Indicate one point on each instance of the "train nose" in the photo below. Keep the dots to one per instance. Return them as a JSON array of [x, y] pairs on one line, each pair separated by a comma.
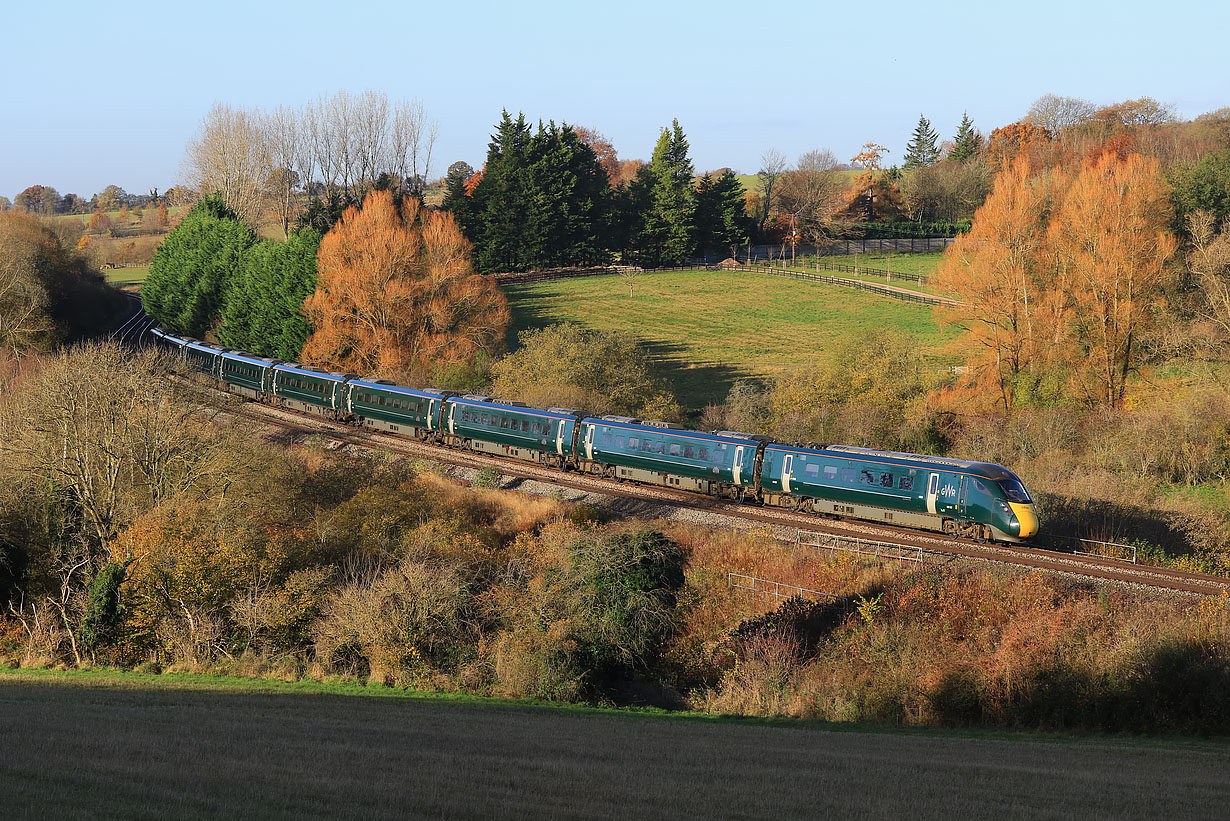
[[1027, 515]]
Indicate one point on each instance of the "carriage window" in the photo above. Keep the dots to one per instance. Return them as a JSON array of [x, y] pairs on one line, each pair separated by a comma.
[[619, 442], [634, 443], [536, 428], [382, 401], [674, 449], [905, 483], [702, 454], [812, 471], [647, 445], [866, 477], [689, 452], [606, 439], [484, 419], [886, 480], [719, 455], [525, 426], [504, 422], [830, 471]]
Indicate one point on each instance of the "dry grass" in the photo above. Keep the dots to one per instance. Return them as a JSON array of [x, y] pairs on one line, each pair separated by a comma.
[[133, 748]]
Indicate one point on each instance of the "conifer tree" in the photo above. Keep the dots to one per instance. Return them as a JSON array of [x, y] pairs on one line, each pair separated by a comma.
[[193, 267], [721, 218], [667, 236], [968, 141], [921, 150]]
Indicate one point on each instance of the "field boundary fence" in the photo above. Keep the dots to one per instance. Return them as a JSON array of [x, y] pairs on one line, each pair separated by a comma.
[[767, 269], [867, 548], [771, 588]]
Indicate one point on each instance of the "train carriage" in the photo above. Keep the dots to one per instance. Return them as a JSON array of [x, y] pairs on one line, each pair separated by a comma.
[[951, 495], [247, 374], [658, 453], [306, 388], [385, 405], [204, 357], [513, 429]]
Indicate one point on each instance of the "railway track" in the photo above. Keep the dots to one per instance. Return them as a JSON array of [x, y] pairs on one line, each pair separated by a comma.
[[933, 547]]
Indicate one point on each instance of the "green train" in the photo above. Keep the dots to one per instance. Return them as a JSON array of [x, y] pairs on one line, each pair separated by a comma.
[[977, 500]]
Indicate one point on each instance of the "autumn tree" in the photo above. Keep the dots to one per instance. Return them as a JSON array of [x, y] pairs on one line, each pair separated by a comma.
[[396, 295], [1110, 238], [37, 199], [1055, 114], [111, 198], [1060, 278], [1008, 141], [603, 149], [865, 186]]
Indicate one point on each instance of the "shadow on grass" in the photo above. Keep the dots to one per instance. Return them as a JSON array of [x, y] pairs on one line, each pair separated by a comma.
[[1066, 518]]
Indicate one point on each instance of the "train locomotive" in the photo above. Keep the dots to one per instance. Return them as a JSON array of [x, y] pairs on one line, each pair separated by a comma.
[[953, 496]]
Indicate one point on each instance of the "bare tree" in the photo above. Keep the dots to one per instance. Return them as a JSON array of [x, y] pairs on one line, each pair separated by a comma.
[[23, 297], [229, 157], [772, 166], [413, 139], [371, 137], [813, 193], [1056, 113], [283, 134]]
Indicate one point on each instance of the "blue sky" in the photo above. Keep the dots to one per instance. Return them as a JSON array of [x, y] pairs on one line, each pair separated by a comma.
[[100, 93]]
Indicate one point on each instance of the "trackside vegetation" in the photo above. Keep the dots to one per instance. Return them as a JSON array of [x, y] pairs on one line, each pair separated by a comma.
[[217, 553]]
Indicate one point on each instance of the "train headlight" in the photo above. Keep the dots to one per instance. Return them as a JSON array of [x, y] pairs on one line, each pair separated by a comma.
[[1003, 507]]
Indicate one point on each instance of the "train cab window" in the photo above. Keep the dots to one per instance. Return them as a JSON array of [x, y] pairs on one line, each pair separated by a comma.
[[866, 477], [675, 450], [620, 442], [830, 472], [689, 452], [812, 471], [702, 454], [905, 483]]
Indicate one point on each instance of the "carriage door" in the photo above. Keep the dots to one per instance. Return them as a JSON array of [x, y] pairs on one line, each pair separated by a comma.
[[787, 471], [738, 468], [933, 490], [559, 439], [589, 442], [431, 412], [452, 422]]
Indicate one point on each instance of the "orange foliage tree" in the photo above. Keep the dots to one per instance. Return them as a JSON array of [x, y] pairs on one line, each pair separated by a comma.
[[396, 294], [1059, 277]]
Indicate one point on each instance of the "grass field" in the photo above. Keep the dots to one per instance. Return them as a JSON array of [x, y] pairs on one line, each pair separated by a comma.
[[710, 328], [127, 746], [126, 276]]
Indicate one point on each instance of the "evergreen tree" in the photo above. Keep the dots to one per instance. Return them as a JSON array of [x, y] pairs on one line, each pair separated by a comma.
[[193, 267], [456, 199], [501, 199], [921, 150], [721, 218], [968, 141], [264, 307], [667, 236]]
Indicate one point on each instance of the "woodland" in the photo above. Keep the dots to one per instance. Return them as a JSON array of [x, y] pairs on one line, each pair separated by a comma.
[[1094, 336]]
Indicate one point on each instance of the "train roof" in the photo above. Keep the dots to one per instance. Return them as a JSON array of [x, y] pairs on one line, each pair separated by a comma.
[[393, 387], [317, 373], [476, 401], [987, 470], [251, 358], [684, 433]]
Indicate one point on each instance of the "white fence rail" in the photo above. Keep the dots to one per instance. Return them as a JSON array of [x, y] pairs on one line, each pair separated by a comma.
[[859, 547], [779, 590]]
